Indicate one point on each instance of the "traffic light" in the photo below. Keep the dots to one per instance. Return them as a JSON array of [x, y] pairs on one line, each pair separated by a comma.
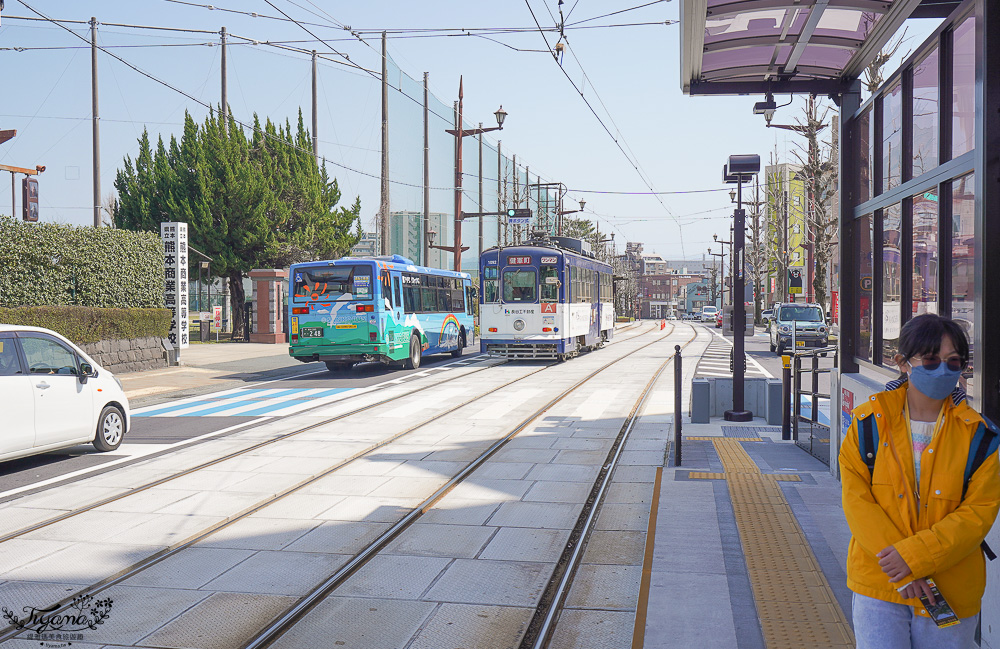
[[519, 213]]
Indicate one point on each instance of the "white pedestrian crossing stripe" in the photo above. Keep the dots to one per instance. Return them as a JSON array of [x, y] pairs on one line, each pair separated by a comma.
[[248, 402]]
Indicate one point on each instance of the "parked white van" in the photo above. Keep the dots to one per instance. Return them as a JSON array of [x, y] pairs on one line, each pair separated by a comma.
[[709, 313], [52, 395]]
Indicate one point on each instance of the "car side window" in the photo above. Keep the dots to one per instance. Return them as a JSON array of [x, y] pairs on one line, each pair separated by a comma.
[[10, 364], [46, 356]]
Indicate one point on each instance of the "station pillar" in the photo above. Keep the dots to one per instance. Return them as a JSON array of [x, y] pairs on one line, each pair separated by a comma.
[[268, 306]]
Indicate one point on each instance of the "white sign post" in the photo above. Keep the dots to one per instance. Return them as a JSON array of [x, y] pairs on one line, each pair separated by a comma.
[[175, 280]]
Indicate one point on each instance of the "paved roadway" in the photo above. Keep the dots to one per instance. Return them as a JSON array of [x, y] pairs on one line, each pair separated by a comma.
[[268, 387]]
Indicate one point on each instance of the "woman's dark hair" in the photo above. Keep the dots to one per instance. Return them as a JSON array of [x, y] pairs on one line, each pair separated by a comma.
[[921, 336]]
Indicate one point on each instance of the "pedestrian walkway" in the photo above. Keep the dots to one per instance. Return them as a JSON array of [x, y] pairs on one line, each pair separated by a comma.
[[750, 546], [717, 361]]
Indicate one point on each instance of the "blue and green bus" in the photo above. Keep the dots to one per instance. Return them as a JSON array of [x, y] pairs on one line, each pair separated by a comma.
[[377, 309]]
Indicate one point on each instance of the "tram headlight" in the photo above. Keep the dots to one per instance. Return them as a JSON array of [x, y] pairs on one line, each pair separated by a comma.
[[519, 325]]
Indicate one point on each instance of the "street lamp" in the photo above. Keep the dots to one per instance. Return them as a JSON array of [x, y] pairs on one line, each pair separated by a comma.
[[562, 213], [461, 134], [740, 169]]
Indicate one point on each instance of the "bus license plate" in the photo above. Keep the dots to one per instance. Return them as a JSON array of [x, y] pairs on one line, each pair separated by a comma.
[[312, 332], [798, 343]]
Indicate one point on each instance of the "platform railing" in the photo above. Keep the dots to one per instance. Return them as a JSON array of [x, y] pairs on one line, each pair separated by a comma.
[[797, 392]]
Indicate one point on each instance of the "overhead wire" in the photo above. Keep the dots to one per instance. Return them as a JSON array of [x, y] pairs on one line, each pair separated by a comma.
[[613, 13]]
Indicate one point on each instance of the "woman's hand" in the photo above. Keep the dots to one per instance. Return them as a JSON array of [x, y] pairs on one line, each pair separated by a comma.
[[916, 588], [893, 565]]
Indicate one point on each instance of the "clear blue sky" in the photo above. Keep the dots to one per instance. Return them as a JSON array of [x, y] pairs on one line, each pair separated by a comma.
[[629, 74]]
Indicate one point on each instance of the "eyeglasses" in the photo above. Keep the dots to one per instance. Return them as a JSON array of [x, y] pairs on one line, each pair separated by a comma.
[[931, 363]]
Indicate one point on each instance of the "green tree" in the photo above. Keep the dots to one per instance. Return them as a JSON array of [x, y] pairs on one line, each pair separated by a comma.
[[249, 202]]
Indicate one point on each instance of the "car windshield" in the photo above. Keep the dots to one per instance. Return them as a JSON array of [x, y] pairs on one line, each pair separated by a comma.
[[334, 283], [801, 314]]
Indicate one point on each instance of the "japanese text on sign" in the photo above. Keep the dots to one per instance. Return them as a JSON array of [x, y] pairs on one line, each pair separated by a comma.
[[518, 261], [175, 285]]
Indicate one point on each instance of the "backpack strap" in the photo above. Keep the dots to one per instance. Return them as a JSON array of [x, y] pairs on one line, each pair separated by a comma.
[[868, 441], [984, 443]]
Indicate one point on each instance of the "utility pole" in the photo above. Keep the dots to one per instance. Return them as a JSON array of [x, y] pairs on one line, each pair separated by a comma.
[[515, 200], [481, 187], [383, 209], [315, 114], [784, 254], [224, 109], [427, 181], [96, 123], [458, 180]]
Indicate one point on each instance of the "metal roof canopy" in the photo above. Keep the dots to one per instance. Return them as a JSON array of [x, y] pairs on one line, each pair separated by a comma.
[[739, 47]]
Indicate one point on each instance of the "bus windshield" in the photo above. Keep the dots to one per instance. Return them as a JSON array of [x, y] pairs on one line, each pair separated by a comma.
[[333, 283]]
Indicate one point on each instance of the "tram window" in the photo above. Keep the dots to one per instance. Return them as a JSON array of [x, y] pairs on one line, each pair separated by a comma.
[[550, 284], [490, 275], [519, 285]]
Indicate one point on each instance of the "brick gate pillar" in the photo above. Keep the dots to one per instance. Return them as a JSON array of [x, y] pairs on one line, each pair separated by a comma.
[[268, 321]]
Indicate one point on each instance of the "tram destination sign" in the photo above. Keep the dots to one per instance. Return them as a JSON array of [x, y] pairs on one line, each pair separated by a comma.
[[518, 261]]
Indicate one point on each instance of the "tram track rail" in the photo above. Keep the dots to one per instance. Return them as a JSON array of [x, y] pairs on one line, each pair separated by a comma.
[[10, 632], [286, 621]]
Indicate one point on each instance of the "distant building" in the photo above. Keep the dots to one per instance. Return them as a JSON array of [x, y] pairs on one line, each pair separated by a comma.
[[662, 295], [406, 237], [697, 296], [367, 247]]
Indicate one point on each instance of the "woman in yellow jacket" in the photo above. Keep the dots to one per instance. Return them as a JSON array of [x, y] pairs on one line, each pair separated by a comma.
[[909, 517]]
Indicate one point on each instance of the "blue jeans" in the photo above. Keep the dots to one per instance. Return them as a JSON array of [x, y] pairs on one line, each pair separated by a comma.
[[885, 625]]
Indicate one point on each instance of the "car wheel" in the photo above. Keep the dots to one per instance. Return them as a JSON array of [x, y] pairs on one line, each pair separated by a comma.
[[461, 345], [780, 349], [413, 361], [110, 429], [771, 345]]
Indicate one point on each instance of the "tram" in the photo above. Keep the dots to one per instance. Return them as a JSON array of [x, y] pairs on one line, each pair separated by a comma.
[[377, 309], [547, 298]]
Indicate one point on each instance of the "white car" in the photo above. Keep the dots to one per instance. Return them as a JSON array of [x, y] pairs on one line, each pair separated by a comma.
[[709, 313], [52, 395]]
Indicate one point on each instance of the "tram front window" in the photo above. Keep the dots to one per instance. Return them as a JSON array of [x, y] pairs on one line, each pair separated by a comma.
[[490, 278], [550, 284], [519, 285]]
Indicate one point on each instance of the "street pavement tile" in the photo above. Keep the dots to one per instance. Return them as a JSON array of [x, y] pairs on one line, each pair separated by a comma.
[[292, 450], [67, 499], [439, 540], [368, 509], [345, 485], [578, 444], [685, 606], [83, 563], [504, 470], [533, 455], [426, 469], [134, 611], [350, 623], [478, 581], [301, 506], [90, 526], [401, 451], [20, 551], [303, 466], [129, 477], [16, 595], [580, 456], [635, 474], [367, 467], [629, 492], [205, 480], [267, 484], [13, 519], [467, 454], [495, 490], [565, 472], [533, 441], [167, 529], [618, 547], [278, 573], [558, 492], [559, 516], [474, 627], [258, 532], [190, 568], [338, 537], [460, 511], [641, 458], [410, 487], [242, 464], [582, 629], [623, 516], [150, 500], [607, 587], [241, 615], [395, 577], [525, 544]]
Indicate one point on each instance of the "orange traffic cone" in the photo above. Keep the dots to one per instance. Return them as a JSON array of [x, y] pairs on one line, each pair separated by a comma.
[[663, 324]]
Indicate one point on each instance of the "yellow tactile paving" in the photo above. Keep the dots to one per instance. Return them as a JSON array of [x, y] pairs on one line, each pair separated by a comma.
[[795, 603], [709, 439], [701, 475]]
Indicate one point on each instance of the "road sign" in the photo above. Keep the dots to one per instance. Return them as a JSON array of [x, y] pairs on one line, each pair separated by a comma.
[[29, 199], [519, 216], [217, 318]]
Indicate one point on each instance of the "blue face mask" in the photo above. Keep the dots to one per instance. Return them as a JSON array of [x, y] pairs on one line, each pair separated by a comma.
[[937, 383]]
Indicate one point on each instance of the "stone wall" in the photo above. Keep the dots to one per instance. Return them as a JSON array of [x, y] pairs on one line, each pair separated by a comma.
[[133, 355]]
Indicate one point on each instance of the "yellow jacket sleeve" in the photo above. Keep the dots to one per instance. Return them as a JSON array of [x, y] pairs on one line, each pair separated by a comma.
[[959, 533], [870, 525]]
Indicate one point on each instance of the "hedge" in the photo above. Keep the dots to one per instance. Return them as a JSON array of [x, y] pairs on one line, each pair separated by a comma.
[[90, 325], [53, 264]]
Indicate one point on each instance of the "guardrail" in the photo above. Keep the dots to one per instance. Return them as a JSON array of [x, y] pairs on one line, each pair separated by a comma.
[[795, 394]]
